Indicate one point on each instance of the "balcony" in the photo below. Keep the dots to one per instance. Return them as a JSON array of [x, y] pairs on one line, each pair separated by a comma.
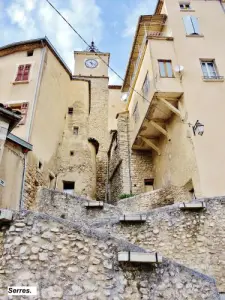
[[162, 107]]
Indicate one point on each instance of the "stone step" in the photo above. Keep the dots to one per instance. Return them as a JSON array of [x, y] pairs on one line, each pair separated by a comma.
[[5, 215], [94, 204], [139, 257], [133, 218], [193, 205]]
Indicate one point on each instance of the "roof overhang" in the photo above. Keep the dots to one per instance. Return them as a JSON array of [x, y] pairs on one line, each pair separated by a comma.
[[145, 23], [15, 139], [9, 116]]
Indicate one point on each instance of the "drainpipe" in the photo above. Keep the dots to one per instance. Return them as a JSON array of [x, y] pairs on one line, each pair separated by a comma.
[[21, 206], [43, 54]]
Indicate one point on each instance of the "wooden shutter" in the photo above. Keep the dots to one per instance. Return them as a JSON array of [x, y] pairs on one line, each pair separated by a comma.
[[195, 25], [20, 71], [26, 72], [188, 25]]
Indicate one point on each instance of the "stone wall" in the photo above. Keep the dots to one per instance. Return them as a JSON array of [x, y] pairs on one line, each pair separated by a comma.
[[72, 261], [161, 197], [195, 239], [141, 169], [72, 208], [135, 166], [98, 129]]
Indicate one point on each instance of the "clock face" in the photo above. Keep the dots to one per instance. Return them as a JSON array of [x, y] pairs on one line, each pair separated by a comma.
[[91, 63]]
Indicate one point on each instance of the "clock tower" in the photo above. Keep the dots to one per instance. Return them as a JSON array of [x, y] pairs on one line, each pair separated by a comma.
[[92, 65], [91, 62]]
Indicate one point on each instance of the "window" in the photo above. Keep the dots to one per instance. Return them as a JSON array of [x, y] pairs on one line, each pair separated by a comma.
[[146, 86], [209, 69], [185, 6], [149, 185], [136, 113], [40, 165], [70, 110], [23, 72], [51, 181], [165, 68], [71, 153], [191, 25], [68, 187], [23, 108], [30, 53], [75, 130]]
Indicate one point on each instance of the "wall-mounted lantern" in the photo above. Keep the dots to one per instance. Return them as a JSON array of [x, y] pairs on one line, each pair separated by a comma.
[[198, 128]]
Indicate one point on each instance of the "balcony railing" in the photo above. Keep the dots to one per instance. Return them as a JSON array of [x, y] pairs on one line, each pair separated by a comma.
[[157, 34], [214, 77]]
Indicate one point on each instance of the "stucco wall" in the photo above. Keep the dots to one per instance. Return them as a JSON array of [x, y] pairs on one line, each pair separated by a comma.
[[11, 171], [116, 105], [19, 92], [198, 94], [66, 261], [177, 164], [57, 93]]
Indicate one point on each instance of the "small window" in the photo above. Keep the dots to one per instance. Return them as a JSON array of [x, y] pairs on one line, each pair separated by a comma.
[[23, 72], [51, 181], [71, 153], [70, 110], [136, 113], [165, 68], [191, 25], [149, 185], [75, 130], [209, 69], [146, 86], [30, 53], [185, 5], [68, 187], [21, 107], [40, 165]]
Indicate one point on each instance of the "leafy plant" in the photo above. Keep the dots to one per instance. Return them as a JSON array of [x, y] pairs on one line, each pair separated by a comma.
[[123, 196]]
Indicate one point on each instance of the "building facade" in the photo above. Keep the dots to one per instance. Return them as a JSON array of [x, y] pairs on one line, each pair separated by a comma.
[[88, 142], [175, 77]]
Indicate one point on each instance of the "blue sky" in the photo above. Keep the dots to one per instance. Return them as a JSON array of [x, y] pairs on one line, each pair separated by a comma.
[[111, 23]]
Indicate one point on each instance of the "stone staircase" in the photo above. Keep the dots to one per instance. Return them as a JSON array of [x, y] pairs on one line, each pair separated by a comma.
[[125, 254]]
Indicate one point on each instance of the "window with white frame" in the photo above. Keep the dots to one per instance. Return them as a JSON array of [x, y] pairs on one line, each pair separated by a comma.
[[136, 113], [165, 68], [209, 69], [191, 25], [146, 86], [185, 5]]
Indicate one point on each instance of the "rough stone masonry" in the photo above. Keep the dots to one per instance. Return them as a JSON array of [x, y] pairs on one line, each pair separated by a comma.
[[68, 260]]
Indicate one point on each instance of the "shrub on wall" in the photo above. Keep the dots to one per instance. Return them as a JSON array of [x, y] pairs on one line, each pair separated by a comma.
[[123, 196]]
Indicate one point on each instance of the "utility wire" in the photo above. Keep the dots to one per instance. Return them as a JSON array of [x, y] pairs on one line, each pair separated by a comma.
[[80, 36]]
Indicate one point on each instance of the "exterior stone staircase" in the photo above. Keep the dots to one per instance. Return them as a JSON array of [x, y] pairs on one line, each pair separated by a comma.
[[74, 251]]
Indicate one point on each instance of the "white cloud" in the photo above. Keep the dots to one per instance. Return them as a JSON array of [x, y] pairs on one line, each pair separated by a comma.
[[114, 79], [141, 7], [32, 19]]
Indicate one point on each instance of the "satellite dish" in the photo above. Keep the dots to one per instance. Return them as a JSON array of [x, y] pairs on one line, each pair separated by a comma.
[[179, 69], [124, 97]]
